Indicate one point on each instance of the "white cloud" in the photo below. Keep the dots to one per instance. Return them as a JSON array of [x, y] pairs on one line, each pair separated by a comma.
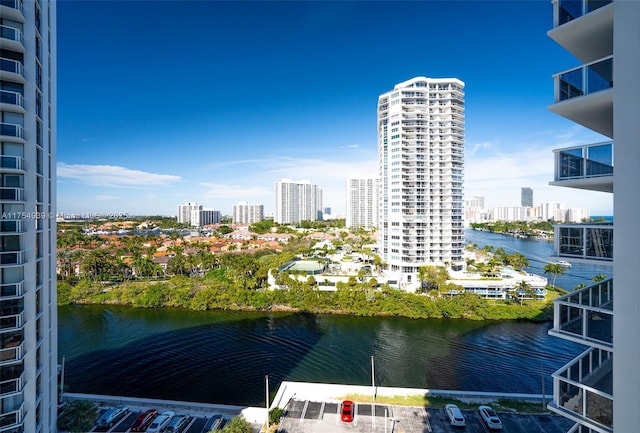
[[113, 176], [106, 197]]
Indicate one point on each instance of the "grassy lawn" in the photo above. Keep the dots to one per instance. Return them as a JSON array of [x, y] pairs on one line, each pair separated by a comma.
[[502, 405]]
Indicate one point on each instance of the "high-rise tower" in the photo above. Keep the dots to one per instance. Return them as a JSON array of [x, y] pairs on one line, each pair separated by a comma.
[[296, 201], [421, 165], [600, 388], [362, 202], [28, 317], [526, 197]]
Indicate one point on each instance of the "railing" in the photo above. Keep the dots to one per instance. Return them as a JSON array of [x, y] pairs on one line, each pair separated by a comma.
[[569, 10], [11, 354], [11, 34], [583, 389], [12, 194], [12, 386], [12, 258], [11, 418], [12, 66], [14, 162], [11, 130], [592, 160], [11, 323], [586, 315], [11, 290], [13, 98], [584, 80], [14, 4], [584, 241]]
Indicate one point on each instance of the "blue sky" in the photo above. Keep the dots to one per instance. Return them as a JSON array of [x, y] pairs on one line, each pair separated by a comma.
[[164, 102]]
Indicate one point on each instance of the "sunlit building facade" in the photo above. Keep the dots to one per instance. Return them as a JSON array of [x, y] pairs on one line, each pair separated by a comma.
[[600, 389], [28, 307], [296, 201], [362, 202], [421, 169]]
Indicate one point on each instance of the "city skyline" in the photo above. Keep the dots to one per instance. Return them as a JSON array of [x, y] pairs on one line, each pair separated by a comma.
[[214, 114]]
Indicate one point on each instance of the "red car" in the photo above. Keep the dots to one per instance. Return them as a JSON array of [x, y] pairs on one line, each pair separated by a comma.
[[346, 412], [144, 419]]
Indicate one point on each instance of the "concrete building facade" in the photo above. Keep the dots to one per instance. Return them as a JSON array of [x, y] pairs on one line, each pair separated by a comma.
[[28, 307], [600, 389], [296, 201], [245, 213], [362, 202], [421, 168]]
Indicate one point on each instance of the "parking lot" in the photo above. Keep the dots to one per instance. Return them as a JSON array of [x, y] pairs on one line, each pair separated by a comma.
[[304, 416], [196, 424]]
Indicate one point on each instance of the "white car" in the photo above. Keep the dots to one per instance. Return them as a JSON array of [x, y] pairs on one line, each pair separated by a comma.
[[161, 422], [490, 417], [455, 416]]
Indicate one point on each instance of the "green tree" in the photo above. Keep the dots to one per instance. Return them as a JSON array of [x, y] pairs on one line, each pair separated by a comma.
[[523, 290], [237, 425], [554, 269], [598, 278], [432, 278], [78, 416]]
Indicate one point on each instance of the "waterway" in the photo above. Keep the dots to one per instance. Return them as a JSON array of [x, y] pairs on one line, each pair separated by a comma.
[[223, 357]]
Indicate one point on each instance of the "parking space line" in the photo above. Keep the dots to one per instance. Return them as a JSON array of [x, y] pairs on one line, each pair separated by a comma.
[[426, 420], [321, 411], [304, 409]]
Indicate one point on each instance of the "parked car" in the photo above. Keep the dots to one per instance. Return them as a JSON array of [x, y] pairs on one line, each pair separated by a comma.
[[215, 423], [490, 417], [455, 415], [177, 424], [161, 422], [111, 416], [346, 411], [144, 419]]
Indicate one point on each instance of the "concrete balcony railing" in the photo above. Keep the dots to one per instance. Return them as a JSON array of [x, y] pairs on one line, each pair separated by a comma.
[[11, 66], [11, 37], [11, 130], [583, 390], [589, 242], [11, 99], [586, 167], [586, 315]]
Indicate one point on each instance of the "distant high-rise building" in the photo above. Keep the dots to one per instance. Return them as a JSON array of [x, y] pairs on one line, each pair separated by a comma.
[[526, 197], [297, 201], [421, 162], [244, 213], [362, 202], [327, 211], [28, 306], [195, 215]]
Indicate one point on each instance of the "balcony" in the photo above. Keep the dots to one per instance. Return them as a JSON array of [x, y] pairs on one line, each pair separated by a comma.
[[11, 163], [11, 194], [12, 352], [587, 167], [11, 323], [586, 316], [11, 101], [11, 258], [588, 242], [11, 70], [11, 39], [11, 132], [583, 27], [12, 386], [582, 390], [12, 9], [11, 418], [11, 290], [584, 95]]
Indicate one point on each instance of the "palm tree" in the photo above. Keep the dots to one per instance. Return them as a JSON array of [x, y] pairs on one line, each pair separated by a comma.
[[555, 269], [598, 278]]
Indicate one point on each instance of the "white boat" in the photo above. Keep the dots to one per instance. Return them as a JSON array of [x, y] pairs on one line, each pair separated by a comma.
[[564, 264]]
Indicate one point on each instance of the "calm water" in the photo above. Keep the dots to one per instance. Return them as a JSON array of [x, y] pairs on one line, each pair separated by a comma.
[[222, 357], [539, 254]]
